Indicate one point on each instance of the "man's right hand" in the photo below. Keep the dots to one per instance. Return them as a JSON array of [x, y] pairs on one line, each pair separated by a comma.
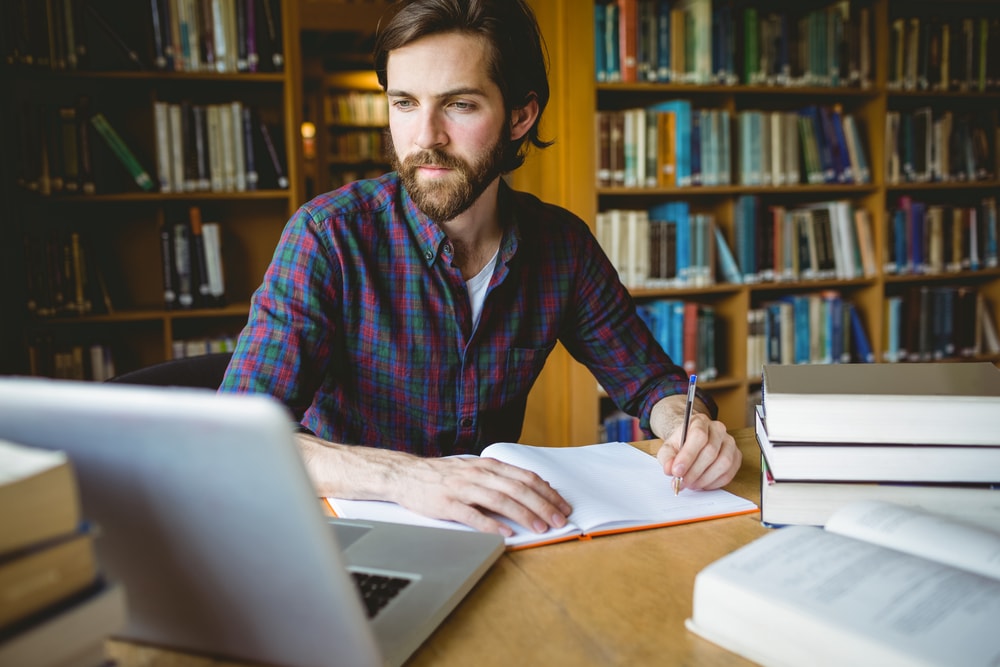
[[463, 489]]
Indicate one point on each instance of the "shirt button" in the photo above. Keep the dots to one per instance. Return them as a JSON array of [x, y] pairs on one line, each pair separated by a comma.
[[429, 255], [466, 422], [447, 248]]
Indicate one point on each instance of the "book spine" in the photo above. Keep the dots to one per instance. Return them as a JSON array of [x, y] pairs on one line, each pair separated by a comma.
[[164, 167], [118, 40], [276, 163], [84, 147], [199, 262], [176, 147], [70, 143], [272, 16], [201, 156], [169, 268], [182, 265], [207, 35], [219, 36], [156, 8], [121, 150], [213, 255], [236, 142], [249, 150], [253, 57], [600, 69]]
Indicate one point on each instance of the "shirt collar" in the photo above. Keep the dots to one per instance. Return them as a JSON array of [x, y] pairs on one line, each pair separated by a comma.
[[430, 238]]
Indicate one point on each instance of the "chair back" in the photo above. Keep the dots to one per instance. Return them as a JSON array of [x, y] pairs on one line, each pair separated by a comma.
[[206, 371]]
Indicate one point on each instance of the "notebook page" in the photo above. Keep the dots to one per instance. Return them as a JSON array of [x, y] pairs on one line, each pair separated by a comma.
[[614, 485]]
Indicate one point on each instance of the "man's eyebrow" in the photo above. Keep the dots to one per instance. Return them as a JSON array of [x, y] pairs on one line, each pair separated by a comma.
[[455, 92]]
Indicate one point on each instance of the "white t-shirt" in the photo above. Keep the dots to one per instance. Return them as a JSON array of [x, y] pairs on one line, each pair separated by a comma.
[[477, 288]]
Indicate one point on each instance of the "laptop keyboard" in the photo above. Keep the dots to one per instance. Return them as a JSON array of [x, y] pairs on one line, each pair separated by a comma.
[[378, 590]]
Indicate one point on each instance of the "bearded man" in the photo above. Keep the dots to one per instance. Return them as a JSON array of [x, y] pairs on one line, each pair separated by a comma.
[[404, 319]]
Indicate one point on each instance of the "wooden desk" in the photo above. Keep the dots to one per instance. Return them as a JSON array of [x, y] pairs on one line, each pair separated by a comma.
[[614, 600]]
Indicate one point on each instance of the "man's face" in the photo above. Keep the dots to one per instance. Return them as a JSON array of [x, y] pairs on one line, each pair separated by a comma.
[[447, 122]]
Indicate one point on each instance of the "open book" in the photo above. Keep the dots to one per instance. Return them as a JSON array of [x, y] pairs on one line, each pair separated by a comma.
[[613, 487], [882, 584]]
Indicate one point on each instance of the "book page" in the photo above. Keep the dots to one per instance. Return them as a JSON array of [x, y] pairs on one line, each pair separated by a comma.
[[911, 530], [779, 595], [614, 485]]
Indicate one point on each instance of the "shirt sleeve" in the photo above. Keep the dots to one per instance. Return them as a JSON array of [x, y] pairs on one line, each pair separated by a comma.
[[606, 334], [285, 346]]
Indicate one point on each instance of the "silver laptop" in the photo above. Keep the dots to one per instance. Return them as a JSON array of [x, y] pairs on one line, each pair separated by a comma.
[[206, 513]]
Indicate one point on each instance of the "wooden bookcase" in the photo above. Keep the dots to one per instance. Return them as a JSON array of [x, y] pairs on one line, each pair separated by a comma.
[[565, 406], [568, 397], [119, 223], [336, 40]]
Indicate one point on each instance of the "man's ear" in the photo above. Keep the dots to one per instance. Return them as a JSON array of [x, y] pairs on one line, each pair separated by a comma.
[[523, 118]]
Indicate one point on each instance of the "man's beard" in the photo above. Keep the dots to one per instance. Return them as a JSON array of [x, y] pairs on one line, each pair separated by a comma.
[[445, 198]]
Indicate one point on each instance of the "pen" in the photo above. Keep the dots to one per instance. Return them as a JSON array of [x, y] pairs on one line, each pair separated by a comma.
[[687, 420]]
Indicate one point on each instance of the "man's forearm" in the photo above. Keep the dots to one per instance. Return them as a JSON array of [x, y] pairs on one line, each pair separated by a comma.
[[461, 489], [348, 471]]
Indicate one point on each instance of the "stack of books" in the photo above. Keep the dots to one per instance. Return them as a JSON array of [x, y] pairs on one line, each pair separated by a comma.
[[923, 434], [55, 608]]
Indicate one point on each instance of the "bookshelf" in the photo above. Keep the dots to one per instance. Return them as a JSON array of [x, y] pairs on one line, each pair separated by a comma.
[[577, 156], [565, 406], [68, 320], [341, 98]]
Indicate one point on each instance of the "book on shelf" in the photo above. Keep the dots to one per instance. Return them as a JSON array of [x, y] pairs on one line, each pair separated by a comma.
[[215, 36], [63, 275], [271, 40], [987, 339], [613, 488], [944, 53], [811, 503], [697, 42], [199, 261], [921, 237], [664, 246], [73, 633], [668, 144], [191, 255], [183, 264], [212, 239], [276, 160], [863, 352], [164, 147], [917, 403], [209, 141], [925, 323], [122, 151], [817, 328], [126, 49], [167, 272], [880, 584], [930, 145], [728, 267], [792, 460]]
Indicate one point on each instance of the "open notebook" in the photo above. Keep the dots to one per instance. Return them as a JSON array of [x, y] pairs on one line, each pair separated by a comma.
[[206, 514], [613, 488]]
